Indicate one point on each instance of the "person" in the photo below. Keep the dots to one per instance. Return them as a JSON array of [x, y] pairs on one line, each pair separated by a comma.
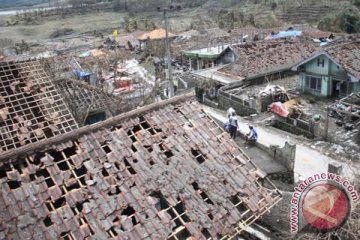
[[230, 112], [233, 125], [252, 136]]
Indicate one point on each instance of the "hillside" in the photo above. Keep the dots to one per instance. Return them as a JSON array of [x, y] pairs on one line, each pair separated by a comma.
[[20, 3], [132, 15]]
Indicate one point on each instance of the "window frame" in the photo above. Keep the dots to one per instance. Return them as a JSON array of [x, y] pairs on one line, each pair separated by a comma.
[[313, 83], [321, 62]]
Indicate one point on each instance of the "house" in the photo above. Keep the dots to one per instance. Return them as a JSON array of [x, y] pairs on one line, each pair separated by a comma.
[[164, 171], [332, 72], [214, 50], [257, 63], [87, 103], [209, 57], [265, 58], [252, 61]]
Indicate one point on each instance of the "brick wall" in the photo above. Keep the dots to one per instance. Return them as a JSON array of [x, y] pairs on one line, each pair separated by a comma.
[[241, 107], [284, 155], [294, 126]]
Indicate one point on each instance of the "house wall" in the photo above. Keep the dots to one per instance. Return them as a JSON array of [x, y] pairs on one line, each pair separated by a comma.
[[313, 68], [329, 73], [356, 87], [336, 70], [325, 85]]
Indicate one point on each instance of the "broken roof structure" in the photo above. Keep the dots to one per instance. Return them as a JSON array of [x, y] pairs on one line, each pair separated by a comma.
[[31, 108], [87, 99], [165, 171]]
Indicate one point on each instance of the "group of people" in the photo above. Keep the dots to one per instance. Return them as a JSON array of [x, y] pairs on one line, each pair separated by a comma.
[[231, 126]]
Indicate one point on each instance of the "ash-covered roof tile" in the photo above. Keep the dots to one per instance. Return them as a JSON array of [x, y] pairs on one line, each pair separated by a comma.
[[347, 55], [155, 178], [31, 109], [265, 57]]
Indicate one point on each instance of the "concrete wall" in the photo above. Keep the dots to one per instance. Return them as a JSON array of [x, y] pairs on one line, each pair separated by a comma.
[[294, 126], [211, 103], [284, 155], [242, 108], [252, 105]]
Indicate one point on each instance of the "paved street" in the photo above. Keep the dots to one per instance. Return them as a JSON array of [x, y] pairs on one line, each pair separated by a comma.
[[308, 161]]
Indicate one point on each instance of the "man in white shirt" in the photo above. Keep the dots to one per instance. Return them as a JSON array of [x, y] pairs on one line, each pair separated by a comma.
[[230, 112], [233, 125]]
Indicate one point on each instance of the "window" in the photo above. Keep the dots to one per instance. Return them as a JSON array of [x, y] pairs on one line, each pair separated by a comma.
[[320, 62], [313, 83]]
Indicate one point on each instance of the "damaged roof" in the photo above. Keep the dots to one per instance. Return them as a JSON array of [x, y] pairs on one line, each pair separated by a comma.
[[260, 58], [31, 108], [87, 99], [165, 171]]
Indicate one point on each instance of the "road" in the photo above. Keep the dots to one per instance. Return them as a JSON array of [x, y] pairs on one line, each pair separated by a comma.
[[308, 161]]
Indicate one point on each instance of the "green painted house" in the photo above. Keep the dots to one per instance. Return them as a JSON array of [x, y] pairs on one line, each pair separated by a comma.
[[209, 57], [332, 72]]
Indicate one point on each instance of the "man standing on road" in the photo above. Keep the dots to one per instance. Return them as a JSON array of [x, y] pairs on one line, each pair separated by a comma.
[[233, 125]]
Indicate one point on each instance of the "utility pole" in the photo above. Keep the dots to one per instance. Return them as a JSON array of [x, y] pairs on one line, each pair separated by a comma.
[[168, 56]]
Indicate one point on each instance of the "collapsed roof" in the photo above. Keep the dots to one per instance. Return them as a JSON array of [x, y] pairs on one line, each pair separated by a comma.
[[87, 99], [163, 171]]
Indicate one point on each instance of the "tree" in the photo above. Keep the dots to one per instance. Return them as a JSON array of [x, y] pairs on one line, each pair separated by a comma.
[[350, 21], [328, 24], [356, 2]]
